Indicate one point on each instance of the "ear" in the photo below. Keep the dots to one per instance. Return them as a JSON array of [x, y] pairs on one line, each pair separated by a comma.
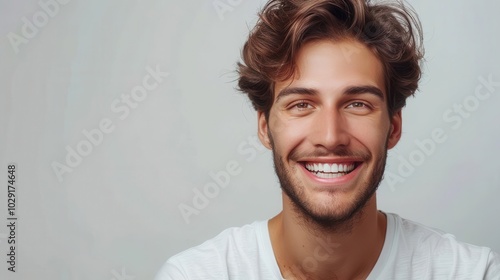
[[395, 132], [263, 130]]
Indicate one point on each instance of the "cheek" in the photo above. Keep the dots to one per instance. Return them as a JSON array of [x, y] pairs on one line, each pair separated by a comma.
[[287, 133], [371, 133]]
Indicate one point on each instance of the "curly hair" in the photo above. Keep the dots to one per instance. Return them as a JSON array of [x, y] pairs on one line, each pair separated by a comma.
[[392, 31]]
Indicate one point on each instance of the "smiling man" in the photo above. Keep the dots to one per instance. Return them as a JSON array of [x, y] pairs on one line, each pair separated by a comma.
[[329, 79]]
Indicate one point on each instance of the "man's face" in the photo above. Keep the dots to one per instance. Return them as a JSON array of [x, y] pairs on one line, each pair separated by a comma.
[[329, 130]]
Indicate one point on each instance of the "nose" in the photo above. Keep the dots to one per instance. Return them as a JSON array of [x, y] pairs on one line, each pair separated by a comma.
[[330, 130]]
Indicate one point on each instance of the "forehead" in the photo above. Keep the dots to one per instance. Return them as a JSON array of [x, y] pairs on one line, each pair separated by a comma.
[[329, 66]]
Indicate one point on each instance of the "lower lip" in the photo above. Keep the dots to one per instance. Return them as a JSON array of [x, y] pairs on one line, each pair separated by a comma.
[[333, 181]]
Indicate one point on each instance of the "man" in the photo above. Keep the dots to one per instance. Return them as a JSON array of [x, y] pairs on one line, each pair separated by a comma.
[[328, 79]]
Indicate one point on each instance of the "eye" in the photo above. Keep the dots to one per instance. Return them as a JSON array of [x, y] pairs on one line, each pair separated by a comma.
[[357, 104], [302, 106], [359, 107]]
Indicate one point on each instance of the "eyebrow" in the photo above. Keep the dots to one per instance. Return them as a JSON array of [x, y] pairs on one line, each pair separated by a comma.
[[353, 90]]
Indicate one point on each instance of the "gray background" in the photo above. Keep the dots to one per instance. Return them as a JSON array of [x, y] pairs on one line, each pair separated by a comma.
[[116, 214]]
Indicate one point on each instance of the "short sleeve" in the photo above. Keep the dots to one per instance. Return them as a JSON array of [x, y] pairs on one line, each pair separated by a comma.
[[493, 269]]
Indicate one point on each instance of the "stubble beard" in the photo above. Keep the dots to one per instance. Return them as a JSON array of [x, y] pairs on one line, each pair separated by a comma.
[[308, 212]]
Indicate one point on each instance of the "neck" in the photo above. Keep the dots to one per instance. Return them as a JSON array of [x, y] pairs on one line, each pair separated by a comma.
[[347, 250]]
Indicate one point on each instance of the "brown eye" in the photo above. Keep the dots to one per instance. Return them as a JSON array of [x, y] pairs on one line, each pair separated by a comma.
[[357, 105], [359, 108], [302, 105]]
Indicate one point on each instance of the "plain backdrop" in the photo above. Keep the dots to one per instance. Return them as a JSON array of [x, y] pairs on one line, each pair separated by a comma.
[[75, 68]]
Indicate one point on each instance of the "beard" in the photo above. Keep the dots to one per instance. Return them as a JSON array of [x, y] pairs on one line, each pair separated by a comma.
[[334, 216]]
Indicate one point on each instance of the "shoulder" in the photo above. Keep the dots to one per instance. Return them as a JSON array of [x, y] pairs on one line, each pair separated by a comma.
[[425, 249], [213, 258], [424, 239]]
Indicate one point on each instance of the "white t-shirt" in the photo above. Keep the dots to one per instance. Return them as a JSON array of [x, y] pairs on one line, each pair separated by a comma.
[[411, 251]]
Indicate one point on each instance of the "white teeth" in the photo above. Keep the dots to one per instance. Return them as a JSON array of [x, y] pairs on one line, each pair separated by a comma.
[[329, 175], [326, 167], [333, 168]]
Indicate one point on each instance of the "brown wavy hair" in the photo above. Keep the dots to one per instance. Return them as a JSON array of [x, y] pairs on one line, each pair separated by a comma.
[[391, 30]]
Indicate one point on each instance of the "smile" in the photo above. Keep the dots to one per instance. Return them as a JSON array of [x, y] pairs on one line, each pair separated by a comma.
[[330, 170]]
